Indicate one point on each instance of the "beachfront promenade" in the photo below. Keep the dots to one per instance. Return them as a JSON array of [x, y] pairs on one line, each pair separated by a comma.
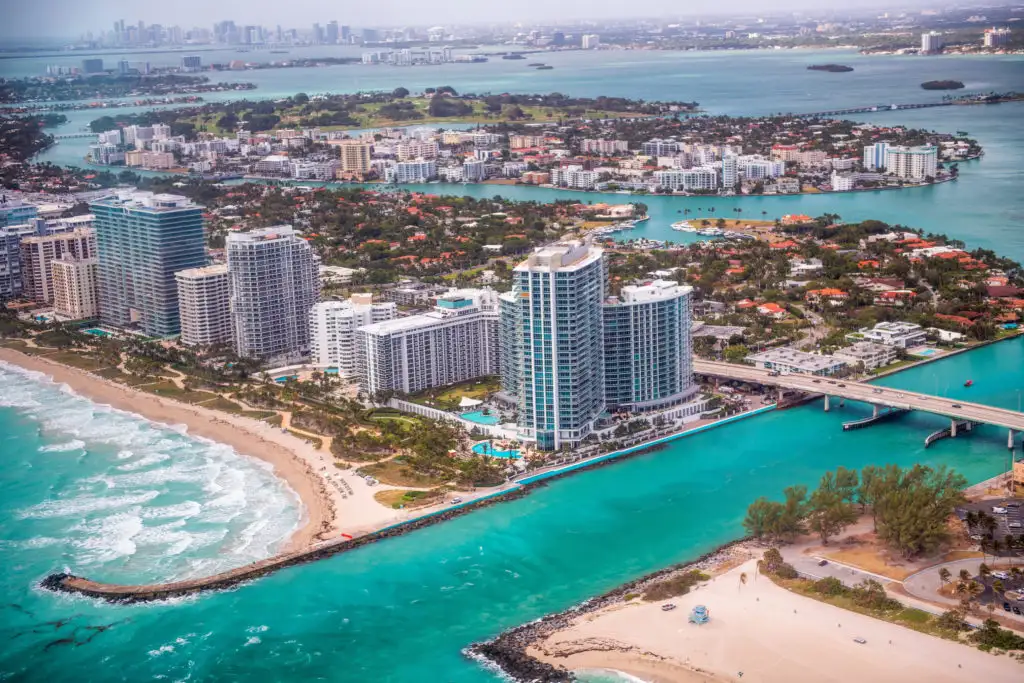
[[958, 411]]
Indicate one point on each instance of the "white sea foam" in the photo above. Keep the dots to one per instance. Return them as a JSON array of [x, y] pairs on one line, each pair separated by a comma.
[[149, 499], [73, 445]]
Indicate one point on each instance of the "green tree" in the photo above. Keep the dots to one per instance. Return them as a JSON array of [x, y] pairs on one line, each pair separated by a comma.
[[829, 514], [736, 353], [400, 92], [911, 515], [762, 517]]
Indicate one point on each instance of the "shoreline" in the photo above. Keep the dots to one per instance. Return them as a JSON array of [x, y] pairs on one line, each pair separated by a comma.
[[318, 512]]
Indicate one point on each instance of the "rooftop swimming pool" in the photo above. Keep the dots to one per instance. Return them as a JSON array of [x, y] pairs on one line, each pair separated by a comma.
[[482, 418], [285, 378], [331, 371], [486, 448]]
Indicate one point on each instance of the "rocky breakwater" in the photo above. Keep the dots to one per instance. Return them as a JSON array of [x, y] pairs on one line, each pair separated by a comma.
[[118, 593], [509, 650]]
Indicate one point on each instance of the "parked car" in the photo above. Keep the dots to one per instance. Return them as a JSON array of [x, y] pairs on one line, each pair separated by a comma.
[[668, 607], [1014, 525], [859, 641], [1006, 606], [1013, 504], [1004, 576], [1016, 610], [996, 510], [956, 405], [822, 563], [456, 501]]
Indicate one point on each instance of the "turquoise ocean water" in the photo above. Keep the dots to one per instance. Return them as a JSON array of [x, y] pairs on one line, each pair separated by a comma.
[[111, 497]]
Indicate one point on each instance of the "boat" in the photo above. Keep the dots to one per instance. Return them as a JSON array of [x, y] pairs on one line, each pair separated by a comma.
[[642, 219], [711, 232], [684, 226], [969, 383]]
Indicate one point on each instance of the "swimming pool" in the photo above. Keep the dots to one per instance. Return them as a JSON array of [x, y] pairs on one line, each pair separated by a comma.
[[97, 332], [285, 378], [331, 371], [481, 418], [485, 448], [924, 353]]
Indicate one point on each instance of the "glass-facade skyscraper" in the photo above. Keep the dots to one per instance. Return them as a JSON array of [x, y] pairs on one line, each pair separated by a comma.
[[142, 240], [556, 300], [648, 355]]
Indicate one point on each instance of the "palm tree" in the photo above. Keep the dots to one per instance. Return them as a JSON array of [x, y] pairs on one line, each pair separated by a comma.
[[965, 576], [944, 576], [743, 579], [984, 571]]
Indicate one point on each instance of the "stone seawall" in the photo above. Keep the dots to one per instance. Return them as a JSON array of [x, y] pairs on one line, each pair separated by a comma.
[[508, 651]]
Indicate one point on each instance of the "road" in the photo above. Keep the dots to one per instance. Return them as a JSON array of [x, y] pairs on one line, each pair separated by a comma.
[[925, 584], [868, 393]]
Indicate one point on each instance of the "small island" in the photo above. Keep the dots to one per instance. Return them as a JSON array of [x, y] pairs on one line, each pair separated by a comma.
[[942, 85], [513, 55], [545, 67], [831, 68]]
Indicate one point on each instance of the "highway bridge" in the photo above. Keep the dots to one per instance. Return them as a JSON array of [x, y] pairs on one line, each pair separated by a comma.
[[958, 411]]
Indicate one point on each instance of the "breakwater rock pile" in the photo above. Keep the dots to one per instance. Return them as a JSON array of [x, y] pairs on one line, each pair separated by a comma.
[[509, 650]]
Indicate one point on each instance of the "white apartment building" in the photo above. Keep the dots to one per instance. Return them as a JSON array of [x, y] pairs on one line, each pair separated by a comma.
[[204, 301], [604, 146], [591, 41], [689, 179], [333, 326], [409, 149], [913, 163], [658, 147], [730, 171], [931, 42], [417, 171], [455, 342], [75, 288], [278, 164], [575, 177], [876, 156], [872, 355], [841, 182], [474, 170], [274, 283], [758, 168], [897, 334], [525, 141], [797, 362]]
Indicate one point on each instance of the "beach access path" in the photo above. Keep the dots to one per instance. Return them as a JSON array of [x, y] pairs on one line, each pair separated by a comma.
[[763, 633]]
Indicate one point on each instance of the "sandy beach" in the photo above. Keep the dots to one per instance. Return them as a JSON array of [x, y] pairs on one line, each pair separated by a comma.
[[326, 511], [763, 633]]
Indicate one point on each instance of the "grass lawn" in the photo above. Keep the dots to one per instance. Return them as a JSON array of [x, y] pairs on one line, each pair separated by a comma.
[[77, 360], [447, 398], [13, 344], [399, 499], [221, 403], [397, 473], [867, 558], [910, 617], [272, 419], [171, 390]]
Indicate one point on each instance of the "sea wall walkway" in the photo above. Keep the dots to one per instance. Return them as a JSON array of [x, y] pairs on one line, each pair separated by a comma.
[[121, 593]]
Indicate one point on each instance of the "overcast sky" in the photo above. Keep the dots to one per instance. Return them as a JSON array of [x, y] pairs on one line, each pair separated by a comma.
[[75, 17]]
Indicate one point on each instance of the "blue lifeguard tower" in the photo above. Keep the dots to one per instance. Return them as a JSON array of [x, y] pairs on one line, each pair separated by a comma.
[[700, 615]]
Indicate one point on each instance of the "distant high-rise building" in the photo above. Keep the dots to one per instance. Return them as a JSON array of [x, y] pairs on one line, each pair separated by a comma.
[[931, 43], [124, 67], [914, 163], [331, 35], [875, 156], [591, 41], [142, 240], [730, 173], [191, 63], [346, 34], [76, 288], [371, 35], [274, 283], [204, 303], [996, 37], [317, 35], [333, 326], [15, 211], [555, 303], [93, 65], [558, 38]]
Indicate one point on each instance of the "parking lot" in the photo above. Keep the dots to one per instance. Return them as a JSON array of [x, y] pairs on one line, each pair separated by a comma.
[[1008, 514]]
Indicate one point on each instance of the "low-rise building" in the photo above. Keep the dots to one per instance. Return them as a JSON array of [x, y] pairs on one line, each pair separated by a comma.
[[870, 354], [797, 362], [897, 334]]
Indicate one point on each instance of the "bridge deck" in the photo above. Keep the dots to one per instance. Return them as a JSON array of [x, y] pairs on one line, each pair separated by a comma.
[[867, 393]]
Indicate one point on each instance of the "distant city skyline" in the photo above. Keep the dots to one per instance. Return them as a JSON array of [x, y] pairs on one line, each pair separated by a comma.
[[53, 18]]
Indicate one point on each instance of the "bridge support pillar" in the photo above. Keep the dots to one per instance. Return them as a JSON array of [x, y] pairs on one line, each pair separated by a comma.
[[874, 411], [1009, 440], [842, 402], [952, 428], [826, 402]]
